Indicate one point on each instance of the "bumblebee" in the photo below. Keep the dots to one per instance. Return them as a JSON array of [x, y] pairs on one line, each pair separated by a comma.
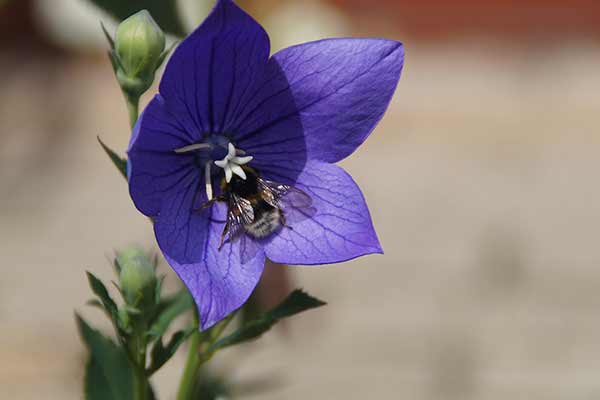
[[257, 207]]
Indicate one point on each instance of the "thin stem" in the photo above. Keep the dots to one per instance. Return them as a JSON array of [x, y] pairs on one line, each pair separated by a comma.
[[198, 354], [133, 108], [186, 385], [140, 385]]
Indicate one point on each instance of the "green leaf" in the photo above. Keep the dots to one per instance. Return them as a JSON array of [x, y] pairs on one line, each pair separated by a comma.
[[169, 309], [100, 290], [95, 303], [164, 12], [108, 304], [295, 303], [161, 354], [120, 162], [108, 371]]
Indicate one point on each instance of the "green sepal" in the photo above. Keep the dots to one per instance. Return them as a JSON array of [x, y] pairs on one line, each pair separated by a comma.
[[116, 286], [116, 266], [108, 370], [158, 289], [118, 161], [165, 53], [167, 310], [114, 61], [164, 11], [125, 322], [160, 353], [132, 310], [109, 39], [297, 302]]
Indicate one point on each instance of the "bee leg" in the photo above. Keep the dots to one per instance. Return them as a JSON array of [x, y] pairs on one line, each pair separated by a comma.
[[213, 200], [209, 203], [282, 221], [223, 234]]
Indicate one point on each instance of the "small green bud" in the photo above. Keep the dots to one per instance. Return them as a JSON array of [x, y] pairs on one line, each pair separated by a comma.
[[137, 278], [139, 47]]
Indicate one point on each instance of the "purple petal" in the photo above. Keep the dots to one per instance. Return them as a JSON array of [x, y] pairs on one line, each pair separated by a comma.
[[268, 127], [154, 170], [219, 282], [182, 226], [340, 230], [342, 88], [212, 69]]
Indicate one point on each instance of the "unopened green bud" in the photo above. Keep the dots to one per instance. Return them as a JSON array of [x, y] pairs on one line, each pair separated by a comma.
[[137, 278], [139, 47]]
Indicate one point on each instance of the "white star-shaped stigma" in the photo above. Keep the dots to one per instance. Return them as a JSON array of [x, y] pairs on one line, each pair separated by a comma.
[[232, 163]]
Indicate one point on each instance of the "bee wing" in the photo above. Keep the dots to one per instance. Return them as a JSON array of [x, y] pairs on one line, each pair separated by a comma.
[[239, 213], [295, 204], [248, 248], [242, 208]]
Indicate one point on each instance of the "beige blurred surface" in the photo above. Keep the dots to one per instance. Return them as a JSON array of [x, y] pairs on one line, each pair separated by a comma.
[[482, 183]]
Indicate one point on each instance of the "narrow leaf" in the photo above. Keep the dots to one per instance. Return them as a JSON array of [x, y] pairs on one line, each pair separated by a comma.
[[100, 290], [120, 162], [161, 354], [95, 303], [108, 371], [297, 302], [164, 12]]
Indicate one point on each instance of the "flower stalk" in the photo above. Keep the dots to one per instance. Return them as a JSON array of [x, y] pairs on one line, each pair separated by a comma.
[[140, 388], [198, 354], [192, 364], [133, 104]]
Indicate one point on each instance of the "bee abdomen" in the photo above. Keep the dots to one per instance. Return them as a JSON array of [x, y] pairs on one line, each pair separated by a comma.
[[264, 224]]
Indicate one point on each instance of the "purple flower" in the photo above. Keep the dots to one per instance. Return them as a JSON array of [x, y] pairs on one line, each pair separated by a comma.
[[234, 157]]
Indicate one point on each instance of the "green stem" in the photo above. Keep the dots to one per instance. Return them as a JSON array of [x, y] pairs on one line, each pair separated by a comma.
[[186, 386], [140, 386], [133, 108], [138, 354], [198, 354]]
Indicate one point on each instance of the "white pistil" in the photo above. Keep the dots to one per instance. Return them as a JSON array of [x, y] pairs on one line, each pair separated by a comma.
[[232, 164], [192, 147], [207, 180]]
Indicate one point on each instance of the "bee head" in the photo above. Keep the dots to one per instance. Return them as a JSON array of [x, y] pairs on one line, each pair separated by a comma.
[[243, 187]]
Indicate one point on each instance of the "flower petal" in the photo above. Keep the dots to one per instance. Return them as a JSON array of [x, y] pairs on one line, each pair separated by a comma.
[[220, 281], [181, 227], [154, 169], [340, 230], [268, 126], [342, 88], [213, 67]]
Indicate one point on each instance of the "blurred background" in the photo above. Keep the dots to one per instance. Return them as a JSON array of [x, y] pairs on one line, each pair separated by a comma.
[[482, 181]]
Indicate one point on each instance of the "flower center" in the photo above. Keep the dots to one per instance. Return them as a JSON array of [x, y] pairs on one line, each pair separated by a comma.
[[231, 163]]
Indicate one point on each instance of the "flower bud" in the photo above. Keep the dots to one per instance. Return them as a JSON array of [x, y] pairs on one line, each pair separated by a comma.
[[137, 278], [139, 47]]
